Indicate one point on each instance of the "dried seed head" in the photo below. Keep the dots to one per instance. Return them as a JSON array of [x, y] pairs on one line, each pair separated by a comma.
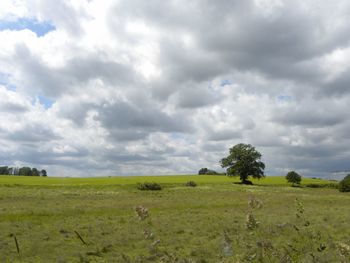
[[251, 222], [141, 212], [254, 203], [344, 249]]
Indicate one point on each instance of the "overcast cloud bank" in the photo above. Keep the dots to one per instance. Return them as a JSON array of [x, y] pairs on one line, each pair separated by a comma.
[[166, 87]]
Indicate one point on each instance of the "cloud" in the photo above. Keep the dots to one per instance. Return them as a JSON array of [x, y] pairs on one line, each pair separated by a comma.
[[11, 103], [129, 87]]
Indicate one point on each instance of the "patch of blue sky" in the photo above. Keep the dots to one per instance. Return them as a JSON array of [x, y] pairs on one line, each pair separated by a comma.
[[176, 135], [225, 82], [4, 81], [181, 136], [284, 98], [39, 28], [46, 102]]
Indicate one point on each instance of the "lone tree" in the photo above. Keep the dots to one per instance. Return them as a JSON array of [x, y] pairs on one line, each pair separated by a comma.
[[244, 161], [344, 185], [293, 177]]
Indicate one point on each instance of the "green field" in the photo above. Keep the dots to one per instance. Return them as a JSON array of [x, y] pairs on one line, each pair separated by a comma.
[[94, 220]]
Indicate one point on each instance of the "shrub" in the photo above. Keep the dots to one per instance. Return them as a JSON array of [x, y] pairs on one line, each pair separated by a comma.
[[293, 177], [191, 184], [344, 185], [149, 186], [314, 185]]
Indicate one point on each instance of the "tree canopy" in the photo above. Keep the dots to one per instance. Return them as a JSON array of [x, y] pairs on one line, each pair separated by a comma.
[[24, 171], [244, 161], [344, 185], [207, 171], [293, 177]]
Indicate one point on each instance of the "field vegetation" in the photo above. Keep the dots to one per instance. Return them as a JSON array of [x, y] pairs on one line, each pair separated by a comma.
[[109, 220]]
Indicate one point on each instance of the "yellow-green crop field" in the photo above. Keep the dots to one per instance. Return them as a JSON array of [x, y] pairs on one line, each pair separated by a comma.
[[94, 220]]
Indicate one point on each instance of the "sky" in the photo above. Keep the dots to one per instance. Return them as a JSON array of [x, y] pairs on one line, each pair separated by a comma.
[[107, 87]]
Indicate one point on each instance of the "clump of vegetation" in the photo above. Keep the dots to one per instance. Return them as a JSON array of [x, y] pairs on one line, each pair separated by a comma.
[[207, 172], [191, 184], [344, 185], [244, 161], [251, 222], [22, 171], [141, 212], [294, 178], [330, 185], [149, 186]]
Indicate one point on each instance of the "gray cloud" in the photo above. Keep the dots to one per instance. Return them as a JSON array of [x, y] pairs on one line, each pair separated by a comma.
[[224, 135], [309, 116], [76, 72], [32, 133], [124, 115], [195, 97], [13, 107]]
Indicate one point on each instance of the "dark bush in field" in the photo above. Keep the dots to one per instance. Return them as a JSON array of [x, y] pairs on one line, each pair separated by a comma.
[[313, 185], [191, 184], [344, 185], [149, 186]]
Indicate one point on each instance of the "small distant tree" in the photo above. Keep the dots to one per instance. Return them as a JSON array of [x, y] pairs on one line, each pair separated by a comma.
[[293, 177], [244, 161], [35, 172], [4, 170], [43, 173], [203, 171], [344, 185], [25, 171]]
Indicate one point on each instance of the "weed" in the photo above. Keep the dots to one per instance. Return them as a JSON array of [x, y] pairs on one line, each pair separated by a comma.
[[191, 184], [141, 212], [251, 222], [149, 186]]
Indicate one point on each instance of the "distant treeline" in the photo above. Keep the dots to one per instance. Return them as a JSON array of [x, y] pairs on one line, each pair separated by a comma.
[[209, 172], [24, 171]]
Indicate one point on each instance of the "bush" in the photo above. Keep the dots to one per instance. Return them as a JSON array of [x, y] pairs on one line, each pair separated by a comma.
[[330, 185], [344, 185], [191, 184], [314, 185], [149, 186]]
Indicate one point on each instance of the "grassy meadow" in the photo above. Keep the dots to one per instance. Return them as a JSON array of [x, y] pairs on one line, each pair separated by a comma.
[[94, 220]]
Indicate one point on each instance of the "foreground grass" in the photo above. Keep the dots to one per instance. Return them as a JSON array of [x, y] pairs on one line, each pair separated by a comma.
[[203, 224]]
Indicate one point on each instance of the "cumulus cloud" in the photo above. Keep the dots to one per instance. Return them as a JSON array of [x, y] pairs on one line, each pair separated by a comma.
[[159, 87]]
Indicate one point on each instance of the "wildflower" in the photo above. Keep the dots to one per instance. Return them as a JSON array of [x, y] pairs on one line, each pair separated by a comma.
[[141, 212], [251, 222], [344, 249], [254, 203]]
